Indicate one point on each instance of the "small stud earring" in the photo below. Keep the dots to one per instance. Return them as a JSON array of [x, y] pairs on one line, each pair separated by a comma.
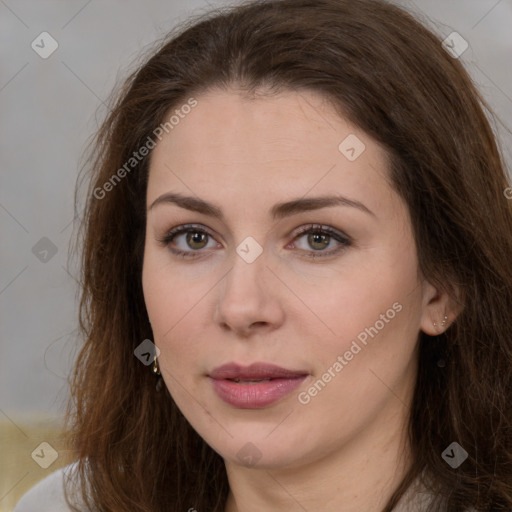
[[155, 369], [443, 323], [156, 372]]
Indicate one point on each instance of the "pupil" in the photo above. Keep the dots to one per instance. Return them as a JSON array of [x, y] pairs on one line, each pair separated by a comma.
[[195, 237], [314, 238]]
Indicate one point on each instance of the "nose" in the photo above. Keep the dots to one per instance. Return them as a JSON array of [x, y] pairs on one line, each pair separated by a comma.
[[249, 298]]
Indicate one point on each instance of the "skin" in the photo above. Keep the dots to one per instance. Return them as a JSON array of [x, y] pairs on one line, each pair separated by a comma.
[[345, 450]]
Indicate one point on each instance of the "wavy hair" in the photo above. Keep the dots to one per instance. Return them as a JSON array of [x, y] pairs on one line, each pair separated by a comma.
[[389, 75]]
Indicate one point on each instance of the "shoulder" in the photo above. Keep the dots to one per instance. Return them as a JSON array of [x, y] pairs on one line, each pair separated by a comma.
[[48, 494]]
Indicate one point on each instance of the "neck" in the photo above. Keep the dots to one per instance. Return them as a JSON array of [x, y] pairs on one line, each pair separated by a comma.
[[359, 476]]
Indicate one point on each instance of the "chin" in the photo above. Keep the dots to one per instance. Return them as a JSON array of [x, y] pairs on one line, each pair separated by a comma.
[[258, 451]]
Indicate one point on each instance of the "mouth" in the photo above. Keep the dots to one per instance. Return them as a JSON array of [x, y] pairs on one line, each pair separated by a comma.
[[256, 372], [256, 386], [249, 381]]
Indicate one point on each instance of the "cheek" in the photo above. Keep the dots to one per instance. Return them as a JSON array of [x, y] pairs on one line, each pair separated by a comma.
[[374, 302], [172, 301], [168, 295], [375, 317]]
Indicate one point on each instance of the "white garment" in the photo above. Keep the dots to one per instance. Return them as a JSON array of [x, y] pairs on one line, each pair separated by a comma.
[[47, 495]]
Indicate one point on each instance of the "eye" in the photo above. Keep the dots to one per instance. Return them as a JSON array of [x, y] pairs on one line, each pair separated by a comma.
[[318, 237], [194, 238]]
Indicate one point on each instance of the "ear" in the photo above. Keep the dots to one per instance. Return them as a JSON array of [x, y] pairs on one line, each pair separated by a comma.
[[439, 310]]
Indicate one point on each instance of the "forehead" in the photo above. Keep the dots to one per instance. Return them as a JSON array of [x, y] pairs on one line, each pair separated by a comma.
[[291, 144]]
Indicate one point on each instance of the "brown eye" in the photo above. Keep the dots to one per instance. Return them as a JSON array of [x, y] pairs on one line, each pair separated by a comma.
[[319, 238], [187, 241], [318, 241], [196, 239]]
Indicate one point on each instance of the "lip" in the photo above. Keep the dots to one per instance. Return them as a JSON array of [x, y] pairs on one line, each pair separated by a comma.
[[254, 371], [258, 394]]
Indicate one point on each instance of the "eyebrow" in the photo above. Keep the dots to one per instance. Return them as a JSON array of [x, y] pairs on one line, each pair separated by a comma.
[[278, 211]]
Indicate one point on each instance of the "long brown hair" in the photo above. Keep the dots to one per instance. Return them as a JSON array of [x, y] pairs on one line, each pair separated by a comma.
[[390, 76]]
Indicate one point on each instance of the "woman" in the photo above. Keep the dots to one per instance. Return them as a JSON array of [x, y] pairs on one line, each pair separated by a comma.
[[296, 275]]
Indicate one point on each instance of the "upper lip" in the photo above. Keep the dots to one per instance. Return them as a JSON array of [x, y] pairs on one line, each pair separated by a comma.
[[254, 371]]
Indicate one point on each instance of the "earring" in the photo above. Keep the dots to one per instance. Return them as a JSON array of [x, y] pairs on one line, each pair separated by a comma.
[[156, 372], [155, 369], [443, 323]]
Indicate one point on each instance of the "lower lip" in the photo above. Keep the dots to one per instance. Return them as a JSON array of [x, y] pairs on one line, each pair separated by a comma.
[[257, 394]]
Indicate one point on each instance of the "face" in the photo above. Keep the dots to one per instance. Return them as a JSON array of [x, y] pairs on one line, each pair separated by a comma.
[[255, 268]]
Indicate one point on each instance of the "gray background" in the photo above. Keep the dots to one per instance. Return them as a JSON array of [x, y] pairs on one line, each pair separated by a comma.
[[47, 111]]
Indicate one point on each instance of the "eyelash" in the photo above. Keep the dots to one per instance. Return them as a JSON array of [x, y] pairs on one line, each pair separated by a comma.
[[306, 230]]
